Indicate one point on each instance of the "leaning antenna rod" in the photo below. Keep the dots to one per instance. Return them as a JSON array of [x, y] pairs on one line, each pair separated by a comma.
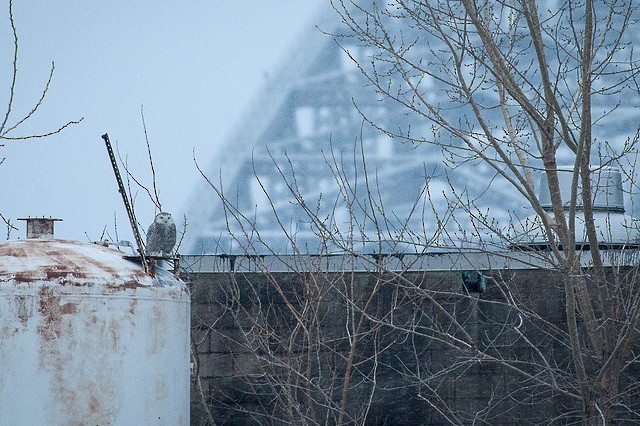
[[127, 205]]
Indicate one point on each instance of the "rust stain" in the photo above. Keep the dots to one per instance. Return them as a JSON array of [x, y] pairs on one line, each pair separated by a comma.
[[59, 272], [12, 251], [26, 277], [132, 306], [23, 308], [56, 274], [134, 284], [49, 308], [69, 263], [127, 285], [114, 328], [156, 339], [94, 404], [68, 308], [158, 315]]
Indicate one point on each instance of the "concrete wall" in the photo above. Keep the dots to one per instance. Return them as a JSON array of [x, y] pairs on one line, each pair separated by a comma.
[[409, 365]]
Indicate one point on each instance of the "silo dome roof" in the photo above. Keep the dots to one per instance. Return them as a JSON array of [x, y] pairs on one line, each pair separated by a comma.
[[68, 263]]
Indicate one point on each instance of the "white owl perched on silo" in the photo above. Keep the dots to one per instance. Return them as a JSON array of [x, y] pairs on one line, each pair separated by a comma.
[[161, 236]]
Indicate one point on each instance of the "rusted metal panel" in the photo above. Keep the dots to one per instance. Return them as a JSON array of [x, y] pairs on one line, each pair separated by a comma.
[[86, 337], [68, 263]]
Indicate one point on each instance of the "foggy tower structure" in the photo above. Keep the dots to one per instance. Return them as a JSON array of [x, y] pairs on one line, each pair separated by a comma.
[[305, 121]]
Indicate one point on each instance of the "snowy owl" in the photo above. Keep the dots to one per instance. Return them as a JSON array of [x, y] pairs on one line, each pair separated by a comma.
[[161, 236]]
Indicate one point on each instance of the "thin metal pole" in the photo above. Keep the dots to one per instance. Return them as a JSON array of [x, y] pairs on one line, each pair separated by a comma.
[[127, 205]]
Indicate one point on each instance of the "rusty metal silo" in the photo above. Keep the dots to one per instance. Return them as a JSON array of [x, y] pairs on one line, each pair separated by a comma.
[[88, 338]]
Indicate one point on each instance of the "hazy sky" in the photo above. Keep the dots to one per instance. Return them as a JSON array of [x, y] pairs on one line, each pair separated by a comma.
[[193, 65]]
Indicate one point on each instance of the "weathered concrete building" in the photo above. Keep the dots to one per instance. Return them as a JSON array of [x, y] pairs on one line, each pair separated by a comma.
[[444, 338]]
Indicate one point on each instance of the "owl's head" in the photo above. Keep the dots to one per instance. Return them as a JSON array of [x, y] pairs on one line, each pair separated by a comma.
[[164, 218]]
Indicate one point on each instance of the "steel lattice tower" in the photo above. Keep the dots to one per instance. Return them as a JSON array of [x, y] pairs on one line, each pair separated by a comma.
[[305, 134]]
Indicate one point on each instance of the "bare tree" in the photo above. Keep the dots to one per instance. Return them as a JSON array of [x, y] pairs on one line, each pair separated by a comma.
[[11, 124], [292, 364], [525, 88], [527, 92], [336, 336], [325, 344]]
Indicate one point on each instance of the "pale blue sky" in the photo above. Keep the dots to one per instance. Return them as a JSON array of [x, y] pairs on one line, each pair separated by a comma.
[[193, 65]]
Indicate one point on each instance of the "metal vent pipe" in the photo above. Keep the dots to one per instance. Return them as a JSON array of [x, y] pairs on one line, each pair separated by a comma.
[[40, 228], [606, 184]]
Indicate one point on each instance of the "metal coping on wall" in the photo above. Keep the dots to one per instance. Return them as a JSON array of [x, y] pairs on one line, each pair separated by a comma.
[[439, 261]]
